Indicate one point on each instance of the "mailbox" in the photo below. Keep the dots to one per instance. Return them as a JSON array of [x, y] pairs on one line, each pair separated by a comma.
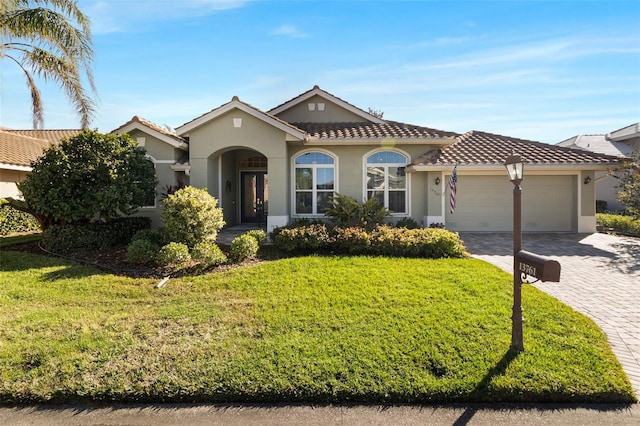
[[538, 266]]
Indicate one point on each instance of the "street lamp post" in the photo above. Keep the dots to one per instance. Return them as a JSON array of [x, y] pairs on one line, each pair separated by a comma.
[[515, 168]]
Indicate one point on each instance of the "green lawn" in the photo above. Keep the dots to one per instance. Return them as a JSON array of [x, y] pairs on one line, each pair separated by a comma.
[[311, 329]]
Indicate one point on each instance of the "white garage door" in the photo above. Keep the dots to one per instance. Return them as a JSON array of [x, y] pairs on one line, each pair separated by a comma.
[[485, 203]]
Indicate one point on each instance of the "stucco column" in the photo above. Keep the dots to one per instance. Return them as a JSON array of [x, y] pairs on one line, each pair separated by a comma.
[[278, 175]]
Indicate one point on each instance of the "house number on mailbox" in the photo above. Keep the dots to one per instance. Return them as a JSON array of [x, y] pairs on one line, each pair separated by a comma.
[[528, 269]]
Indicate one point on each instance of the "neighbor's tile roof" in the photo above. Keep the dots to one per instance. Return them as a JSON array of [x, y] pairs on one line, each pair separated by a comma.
[[480, 148], [388, 129], [598, 143], [53, 136], [163, 130], [19, 150]]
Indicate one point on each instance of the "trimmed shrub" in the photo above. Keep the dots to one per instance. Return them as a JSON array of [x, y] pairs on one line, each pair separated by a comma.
[[69, 238], [352, 240], [425, 242], [142, 251], [383, 240], [407, 222], [619, 223], [174, 255], [156, 236], [93, 236], [243, 247], [190, 216], [208, 254], [13, 220], [305, 239], [259, 235]]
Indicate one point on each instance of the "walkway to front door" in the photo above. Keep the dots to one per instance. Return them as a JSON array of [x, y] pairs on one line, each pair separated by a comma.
[[227, 234]]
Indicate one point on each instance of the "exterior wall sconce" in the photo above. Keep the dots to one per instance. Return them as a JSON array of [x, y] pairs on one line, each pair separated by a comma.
[[438, 181], [587, 180]]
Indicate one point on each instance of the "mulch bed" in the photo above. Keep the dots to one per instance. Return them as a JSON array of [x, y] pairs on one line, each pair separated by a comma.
[[114, 261]]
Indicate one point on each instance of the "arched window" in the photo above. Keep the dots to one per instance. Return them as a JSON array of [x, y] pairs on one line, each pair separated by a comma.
[[387, 181], [314, 182]]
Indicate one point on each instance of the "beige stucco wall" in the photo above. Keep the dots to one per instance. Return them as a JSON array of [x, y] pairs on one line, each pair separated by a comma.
[[164, 155], [350, 172], [8, 180], [606, 190], [587, 194], [331, 113], [218, 138]]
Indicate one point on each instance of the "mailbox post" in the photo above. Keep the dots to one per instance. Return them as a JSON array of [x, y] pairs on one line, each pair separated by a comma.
[[515, 168], [524, 262]]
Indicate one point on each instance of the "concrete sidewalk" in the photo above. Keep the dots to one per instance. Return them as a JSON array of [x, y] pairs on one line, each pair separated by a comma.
[[600, 277], [355, 415]]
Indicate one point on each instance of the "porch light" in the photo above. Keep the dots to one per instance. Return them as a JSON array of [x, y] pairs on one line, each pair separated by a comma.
[[515, 168], [438, 181], [587, 180]]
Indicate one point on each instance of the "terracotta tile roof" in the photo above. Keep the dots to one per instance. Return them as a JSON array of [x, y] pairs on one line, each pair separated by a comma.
[[480, 148], [54, 136], [388, 129], [19, 150]]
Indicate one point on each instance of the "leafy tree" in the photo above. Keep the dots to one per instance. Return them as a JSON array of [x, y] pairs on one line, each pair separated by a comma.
[[376, 112], [50, 39], [629, 186], [89, 175]]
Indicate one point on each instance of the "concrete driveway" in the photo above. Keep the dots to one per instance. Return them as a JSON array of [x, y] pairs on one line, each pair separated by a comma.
[[600, 277]]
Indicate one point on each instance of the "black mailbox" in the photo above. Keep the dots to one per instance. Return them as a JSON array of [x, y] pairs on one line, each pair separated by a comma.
[[538, 266]]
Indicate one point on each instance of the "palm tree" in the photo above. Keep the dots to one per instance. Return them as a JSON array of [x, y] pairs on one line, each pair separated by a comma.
[[50, 39]]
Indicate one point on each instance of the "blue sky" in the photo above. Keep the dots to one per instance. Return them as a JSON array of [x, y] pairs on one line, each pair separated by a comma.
[[537, 70]]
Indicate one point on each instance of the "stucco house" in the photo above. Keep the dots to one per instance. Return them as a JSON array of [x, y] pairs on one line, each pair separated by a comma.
[[619, 143], [18, 148], [285, 163]]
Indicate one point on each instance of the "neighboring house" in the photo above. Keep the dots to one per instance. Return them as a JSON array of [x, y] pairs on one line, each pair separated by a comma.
[[18, 148], [620, 143], [285, 163]]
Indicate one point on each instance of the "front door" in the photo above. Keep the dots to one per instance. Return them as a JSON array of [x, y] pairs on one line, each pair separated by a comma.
[[255, 197]]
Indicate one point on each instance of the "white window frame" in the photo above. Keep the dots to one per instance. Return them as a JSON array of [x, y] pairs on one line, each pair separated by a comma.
[[314, 191], [407, 191]]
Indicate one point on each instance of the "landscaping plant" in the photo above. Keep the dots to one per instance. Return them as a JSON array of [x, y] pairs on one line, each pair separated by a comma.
[[190, 216], [87, 176]]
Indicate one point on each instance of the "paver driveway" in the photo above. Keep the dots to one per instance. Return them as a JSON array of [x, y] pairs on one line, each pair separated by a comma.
[[600, 277]]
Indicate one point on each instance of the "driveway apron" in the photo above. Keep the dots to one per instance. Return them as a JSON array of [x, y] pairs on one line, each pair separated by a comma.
[[600, 277]]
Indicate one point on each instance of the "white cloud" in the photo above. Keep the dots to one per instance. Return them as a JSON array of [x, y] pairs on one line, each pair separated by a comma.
[[121, 16], [289, 31]]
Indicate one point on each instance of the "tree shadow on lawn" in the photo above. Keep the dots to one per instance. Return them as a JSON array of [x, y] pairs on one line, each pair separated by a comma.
[[64, 268]]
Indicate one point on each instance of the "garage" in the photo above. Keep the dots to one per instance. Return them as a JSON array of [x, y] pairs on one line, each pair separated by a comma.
[[485, 204]]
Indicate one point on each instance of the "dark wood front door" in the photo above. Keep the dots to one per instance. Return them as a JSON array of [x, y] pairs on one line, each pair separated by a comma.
[[255, 197]]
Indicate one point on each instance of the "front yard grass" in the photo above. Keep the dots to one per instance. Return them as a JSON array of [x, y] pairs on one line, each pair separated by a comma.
[[309, 329]]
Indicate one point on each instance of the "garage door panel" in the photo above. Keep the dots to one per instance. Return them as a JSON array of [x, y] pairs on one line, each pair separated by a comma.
[[485, 203]]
